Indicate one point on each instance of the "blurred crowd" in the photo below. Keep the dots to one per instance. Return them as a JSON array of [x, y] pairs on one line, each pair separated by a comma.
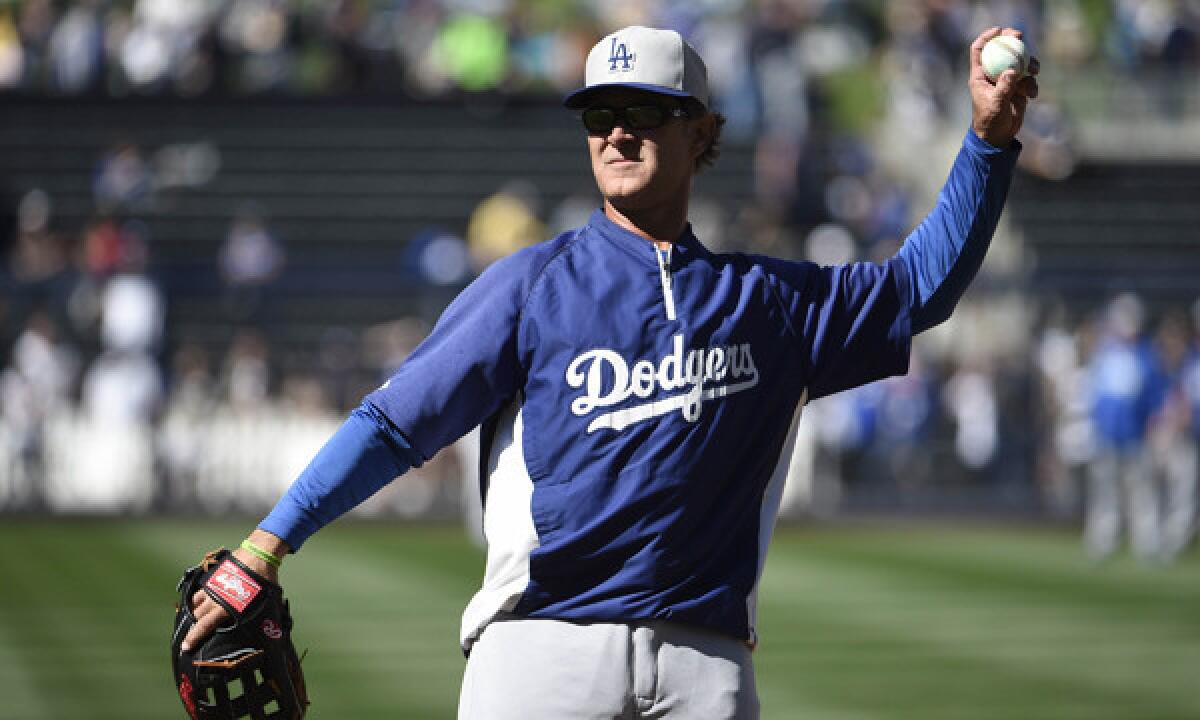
[[1119, 410], [1101, 420], [847, 106], [424, 47], [104, 408]]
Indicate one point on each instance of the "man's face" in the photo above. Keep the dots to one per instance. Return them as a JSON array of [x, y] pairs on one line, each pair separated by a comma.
[[641, 169]]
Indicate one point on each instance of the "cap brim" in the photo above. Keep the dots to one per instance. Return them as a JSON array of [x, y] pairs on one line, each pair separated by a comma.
[[580, 97]]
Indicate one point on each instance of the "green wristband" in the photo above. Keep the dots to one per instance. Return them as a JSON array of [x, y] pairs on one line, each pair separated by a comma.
[[269, 558]]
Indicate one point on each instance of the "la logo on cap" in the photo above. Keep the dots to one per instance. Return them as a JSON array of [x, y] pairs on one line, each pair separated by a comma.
[[619, 57], [648, 59]]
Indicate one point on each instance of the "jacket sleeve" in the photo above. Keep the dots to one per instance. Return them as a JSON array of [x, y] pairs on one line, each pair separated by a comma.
[[857, 320], [468, 367], [456, 378], [366, 453], [945, 251]]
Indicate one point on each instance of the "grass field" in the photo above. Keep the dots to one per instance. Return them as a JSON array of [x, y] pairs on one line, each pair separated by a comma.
[[874, 623]]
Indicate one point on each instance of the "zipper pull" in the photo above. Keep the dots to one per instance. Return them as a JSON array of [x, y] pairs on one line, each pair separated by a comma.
[[664, 273]]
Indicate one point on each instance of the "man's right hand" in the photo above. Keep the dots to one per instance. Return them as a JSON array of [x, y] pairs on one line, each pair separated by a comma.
[[998, 109]]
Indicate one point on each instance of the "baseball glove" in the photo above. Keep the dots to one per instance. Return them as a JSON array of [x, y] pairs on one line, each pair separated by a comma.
[[248, 668]]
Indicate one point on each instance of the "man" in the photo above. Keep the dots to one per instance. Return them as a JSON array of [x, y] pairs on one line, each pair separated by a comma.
[[1172, 437], [1126, 393], [637, 394]]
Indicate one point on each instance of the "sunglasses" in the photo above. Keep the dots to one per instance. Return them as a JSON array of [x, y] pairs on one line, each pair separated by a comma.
[[601, 120]]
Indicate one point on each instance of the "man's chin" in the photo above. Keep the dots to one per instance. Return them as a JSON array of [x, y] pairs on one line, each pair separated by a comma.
[[628, 201], [626, 190]]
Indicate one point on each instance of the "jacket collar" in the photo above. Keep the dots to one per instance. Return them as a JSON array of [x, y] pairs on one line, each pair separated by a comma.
[[685, 249]]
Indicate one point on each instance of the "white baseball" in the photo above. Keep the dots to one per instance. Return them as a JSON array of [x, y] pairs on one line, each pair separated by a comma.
[[1003, 52]]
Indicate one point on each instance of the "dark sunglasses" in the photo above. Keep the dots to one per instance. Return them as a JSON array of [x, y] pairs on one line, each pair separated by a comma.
[[601, 120]]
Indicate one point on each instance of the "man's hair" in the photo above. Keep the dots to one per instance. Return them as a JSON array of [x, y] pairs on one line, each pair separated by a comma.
[[710, 154]]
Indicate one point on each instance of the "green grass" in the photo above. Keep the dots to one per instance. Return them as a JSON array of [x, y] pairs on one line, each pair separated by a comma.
[[872, 623]]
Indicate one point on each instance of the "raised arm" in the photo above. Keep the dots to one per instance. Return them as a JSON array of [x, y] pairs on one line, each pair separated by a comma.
[[945, 251]]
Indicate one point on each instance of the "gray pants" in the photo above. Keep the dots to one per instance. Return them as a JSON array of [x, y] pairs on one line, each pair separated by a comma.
[[524, 669], [1121, 491], [1179, 468]]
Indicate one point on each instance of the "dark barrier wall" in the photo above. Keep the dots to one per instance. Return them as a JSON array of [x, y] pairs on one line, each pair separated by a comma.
[[345, 186], [234, 275]]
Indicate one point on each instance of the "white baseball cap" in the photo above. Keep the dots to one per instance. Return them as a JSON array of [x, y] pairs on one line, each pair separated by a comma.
[[659, 61]]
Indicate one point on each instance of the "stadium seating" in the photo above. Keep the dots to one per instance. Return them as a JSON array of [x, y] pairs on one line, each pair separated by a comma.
[[1113, 227], [344, 185]]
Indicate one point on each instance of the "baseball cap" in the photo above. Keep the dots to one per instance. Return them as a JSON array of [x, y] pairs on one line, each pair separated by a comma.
[[643, 58]]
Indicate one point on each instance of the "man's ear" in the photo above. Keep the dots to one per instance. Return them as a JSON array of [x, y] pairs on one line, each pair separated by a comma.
[[702, 135]]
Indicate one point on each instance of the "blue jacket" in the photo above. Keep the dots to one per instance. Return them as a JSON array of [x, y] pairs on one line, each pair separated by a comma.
[[1191, 389], [1127, 389], [638, 407]]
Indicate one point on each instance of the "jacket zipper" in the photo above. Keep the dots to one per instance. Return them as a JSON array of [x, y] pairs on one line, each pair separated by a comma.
[[664, 274]]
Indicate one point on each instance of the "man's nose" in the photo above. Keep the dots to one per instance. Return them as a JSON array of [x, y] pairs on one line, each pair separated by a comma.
[[620, 133]]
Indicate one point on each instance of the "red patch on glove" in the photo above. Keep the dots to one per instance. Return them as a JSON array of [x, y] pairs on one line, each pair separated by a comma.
[[233, 585], [185, 692]]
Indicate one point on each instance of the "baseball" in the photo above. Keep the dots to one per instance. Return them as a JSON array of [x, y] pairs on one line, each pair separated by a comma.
[[1003, 52]]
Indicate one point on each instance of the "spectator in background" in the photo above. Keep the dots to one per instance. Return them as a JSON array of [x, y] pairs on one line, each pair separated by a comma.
[[1065, 435], [906, 413], [1191, 393], [33, 389], [846, 424], [103, 247], [122, 179], [44, 362], [35, 24], [386, 346], [113, 463], [34, 255], [257, 32], [1172, 436], [437, 257], [246, 376], [250, 259], [108, 248], [39, 265], [77, 48], [1123, 396], [303, 395], [338, 356], [132, 306], [1051, 145], [472, 50], [504, 223], [123, 385], [970, 398], [12, 55], [191, 401]]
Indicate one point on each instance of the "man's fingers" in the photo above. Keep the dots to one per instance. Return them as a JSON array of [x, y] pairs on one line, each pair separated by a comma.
[[980, 41], [1028, 86], [1019, 103], [209, 616], [203, 628], [204, 608], [977, 53], [1006, 83]]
